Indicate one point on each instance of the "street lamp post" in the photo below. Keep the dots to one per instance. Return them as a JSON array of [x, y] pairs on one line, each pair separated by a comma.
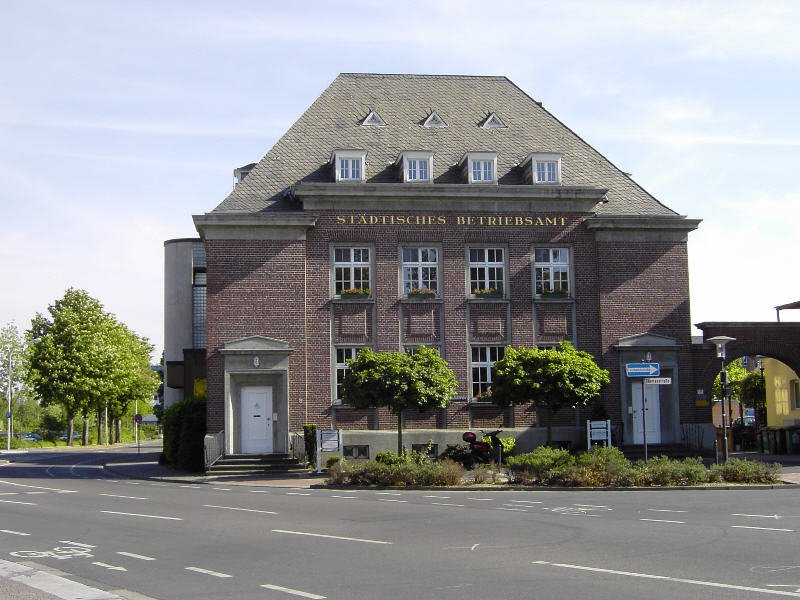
[[720, 341], [8, 403]]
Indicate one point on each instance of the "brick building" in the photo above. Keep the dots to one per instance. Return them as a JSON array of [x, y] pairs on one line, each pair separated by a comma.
[[449, 211]]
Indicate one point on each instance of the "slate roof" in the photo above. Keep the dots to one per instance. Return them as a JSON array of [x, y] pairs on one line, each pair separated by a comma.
[[404, 102]]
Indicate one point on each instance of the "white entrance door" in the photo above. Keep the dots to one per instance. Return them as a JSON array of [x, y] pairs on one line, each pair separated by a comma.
[[256, 418], [653, 417]]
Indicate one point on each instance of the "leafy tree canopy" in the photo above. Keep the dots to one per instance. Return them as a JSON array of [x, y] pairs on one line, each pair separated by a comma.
[[550, 378], [398, 381]]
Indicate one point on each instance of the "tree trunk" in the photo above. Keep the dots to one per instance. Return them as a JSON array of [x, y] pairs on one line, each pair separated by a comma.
[[99, 427], [70, 428], [549, 417], [85, 431], [400, 433], [117, 431]]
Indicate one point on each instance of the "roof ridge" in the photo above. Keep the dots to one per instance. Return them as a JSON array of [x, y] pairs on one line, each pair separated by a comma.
[[423, 76]]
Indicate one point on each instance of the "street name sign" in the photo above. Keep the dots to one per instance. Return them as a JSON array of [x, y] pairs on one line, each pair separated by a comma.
[[642, 369], [658, 380]]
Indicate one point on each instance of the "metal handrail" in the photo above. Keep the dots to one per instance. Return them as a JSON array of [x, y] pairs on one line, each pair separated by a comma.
[[214, 445]]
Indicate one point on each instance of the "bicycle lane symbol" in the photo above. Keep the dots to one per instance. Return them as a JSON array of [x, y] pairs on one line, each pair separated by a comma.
[[59, 552]]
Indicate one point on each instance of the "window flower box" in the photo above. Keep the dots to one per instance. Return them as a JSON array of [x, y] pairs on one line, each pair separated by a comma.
[[487, 293], [354, 293], [421, 294], [555, 293]]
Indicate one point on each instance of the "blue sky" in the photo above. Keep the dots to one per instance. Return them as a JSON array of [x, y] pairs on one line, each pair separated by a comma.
[[121, 119]]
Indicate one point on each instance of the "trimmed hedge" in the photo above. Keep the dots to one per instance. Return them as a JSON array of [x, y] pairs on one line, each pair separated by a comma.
[[184, 431]]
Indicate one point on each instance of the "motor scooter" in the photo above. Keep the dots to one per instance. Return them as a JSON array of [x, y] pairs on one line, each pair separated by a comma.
[[481, 451]]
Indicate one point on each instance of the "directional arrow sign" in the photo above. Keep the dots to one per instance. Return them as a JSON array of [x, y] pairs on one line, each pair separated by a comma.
[[642, 369]]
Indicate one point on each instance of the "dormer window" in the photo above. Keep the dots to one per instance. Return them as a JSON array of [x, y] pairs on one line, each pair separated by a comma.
[[348, 165], [417, 166], [543, 168], [480, 167]]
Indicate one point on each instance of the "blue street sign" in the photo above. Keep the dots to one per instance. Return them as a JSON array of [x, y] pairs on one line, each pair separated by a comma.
[[642, 369]]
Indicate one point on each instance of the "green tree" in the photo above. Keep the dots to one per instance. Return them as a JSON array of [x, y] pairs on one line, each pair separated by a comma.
[[84, 359], [13, 367], [398, 381], [753, 393], [551, 379]]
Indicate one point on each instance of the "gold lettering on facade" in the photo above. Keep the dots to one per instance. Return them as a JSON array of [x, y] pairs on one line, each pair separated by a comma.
[[468, 220]]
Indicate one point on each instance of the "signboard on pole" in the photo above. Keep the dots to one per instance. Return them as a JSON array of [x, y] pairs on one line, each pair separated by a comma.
[[598, 431], [642, 369], [328, 440], [658, 380]]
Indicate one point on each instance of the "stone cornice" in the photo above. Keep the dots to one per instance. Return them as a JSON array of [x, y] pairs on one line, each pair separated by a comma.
[[641, 228], [254, 226], [405, 196]]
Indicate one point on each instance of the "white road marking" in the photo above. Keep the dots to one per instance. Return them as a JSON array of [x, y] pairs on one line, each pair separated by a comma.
[[592, 506], [109, 567], [39, 487], [666, 510], [52, 584], [390, 500], [387, 494], [762, 528], [663, 521], [9, 493], [526, 502], [331, 537], [222, 489], [440, 497], [513, 509], [259, 492], [293, 592], [189, 487], [126, 497], [76, 544], [266, 512], [758, 516], [207, 572], [481, 499], [12, 532], [113, 512], [134, 482], [19, 502], [665, 578], [445, 504], [345, 497], [473, 547], [31, 493], [139, 556], [298, 493]]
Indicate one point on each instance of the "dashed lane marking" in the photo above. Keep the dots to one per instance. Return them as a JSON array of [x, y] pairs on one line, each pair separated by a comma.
[[391, 500], [298, 493], [440, 497], [300, 593], [39, 487], [76, 544], [330, 537], [109, 567], [207, 572], [446, 504], [139, 556], [126, 497], [126, 514], [663, 521], [665, 578], [666, 510], [19, 502], [762, 528], [344, 497], [253, 510], [12, 532], [511, 509]]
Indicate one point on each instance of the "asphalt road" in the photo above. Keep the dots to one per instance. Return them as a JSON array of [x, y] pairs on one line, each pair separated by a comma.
[[135, 539]]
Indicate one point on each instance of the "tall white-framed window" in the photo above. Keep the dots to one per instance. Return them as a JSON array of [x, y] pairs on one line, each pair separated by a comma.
[[420, 269], [417, 166], [349, 165], [551, 272], [351, 270], [487, 270], [342, 354], [482, 358], [480, 167], [543, 168]]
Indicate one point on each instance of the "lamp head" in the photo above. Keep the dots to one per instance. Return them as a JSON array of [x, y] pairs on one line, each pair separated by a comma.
[[719, 341]]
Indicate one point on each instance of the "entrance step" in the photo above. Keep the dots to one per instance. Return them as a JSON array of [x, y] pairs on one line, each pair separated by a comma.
[[256, 464]]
